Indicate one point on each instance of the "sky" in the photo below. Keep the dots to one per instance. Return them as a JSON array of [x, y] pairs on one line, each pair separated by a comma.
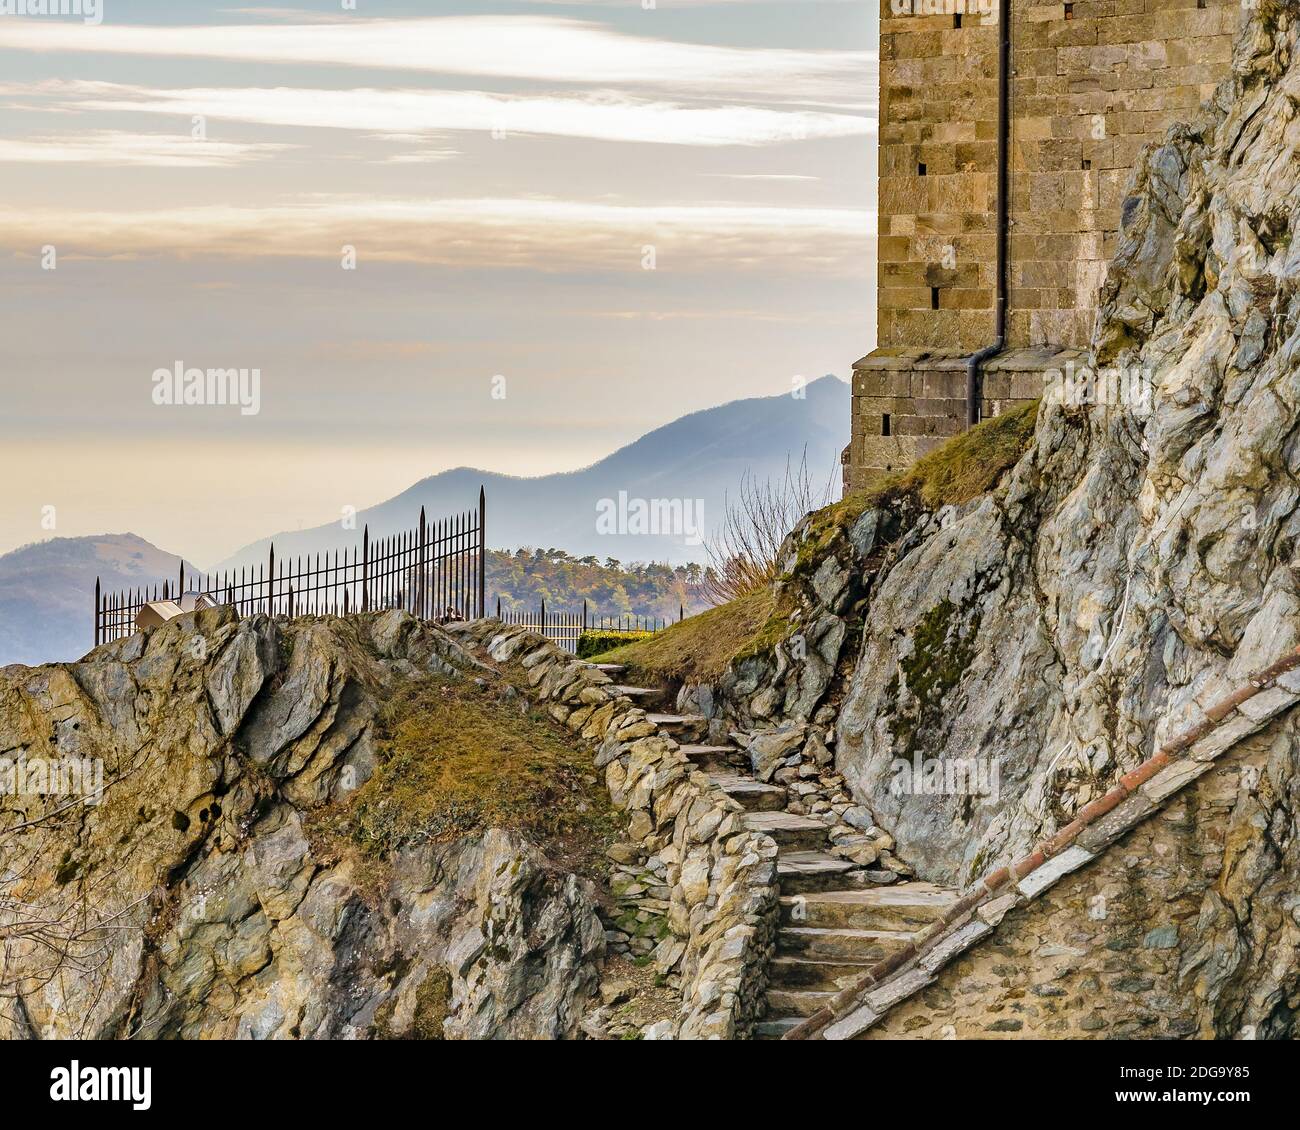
[[511, 235]]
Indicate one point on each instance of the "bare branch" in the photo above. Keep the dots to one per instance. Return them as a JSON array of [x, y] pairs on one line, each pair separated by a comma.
[[743, 551]]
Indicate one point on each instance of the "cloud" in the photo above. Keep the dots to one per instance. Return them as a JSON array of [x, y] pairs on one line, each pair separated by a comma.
[[605, 117], [537, 48], [119, 147], [536, 234], [762, 176]]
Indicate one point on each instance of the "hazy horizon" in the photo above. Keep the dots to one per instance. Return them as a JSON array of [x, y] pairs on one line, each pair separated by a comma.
[[504, 174], [501, 542]]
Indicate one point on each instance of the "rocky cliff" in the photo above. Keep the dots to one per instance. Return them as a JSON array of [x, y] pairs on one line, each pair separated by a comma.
[[197, 887], [1136, 563]]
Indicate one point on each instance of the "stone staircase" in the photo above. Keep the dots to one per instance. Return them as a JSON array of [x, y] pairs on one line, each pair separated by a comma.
[[829, 938], [836, 921]]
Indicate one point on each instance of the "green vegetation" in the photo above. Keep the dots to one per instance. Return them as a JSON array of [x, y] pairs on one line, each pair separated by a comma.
[[705, 645], [432, 1005], [965, 467], [593, 643], [972, 463], [456, 758], [940, 654], [525, 578]]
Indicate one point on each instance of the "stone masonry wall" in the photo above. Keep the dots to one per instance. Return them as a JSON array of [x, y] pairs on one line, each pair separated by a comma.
[[1151, 940], [907, 403], [1094, 82], [709, 894]]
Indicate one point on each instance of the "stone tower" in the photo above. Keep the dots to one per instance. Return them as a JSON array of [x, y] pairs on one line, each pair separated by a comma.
[[1089, 84]]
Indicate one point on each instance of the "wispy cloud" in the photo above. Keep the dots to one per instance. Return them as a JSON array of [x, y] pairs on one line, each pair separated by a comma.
[[534, 234], [762, 176], [122, 148], [537, 48], [605, 117]]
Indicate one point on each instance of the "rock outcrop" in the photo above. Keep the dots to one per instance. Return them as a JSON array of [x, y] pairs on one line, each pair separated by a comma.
[[1136, 565], [193, 898], [690, 873]]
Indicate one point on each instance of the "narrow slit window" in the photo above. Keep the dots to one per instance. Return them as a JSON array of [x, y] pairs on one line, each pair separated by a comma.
[[884, 425], [920, 169], [1086, 165], [1069, 11], [934, 298], [956, 19]]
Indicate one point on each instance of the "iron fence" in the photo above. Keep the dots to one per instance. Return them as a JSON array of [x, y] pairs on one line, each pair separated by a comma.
[[435, 571], [565, 628]]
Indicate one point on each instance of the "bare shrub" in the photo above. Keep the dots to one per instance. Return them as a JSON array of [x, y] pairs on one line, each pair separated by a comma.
[[59, 928], [743, 550]]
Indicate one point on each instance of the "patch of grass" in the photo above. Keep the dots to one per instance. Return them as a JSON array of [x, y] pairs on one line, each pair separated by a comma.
[[705, 645], [972, 463], [455, 758], [965, 467], [594, 642]]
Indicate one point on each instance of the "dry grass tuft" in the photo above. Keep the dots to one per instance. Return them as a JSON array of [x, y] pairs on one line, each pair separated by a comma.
[[456, 758], [972, 463], [704, 646]]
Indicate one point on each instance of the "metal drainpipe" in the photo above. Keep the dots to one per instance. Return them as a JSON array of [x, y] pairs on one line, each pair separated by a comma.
[[976, 360]]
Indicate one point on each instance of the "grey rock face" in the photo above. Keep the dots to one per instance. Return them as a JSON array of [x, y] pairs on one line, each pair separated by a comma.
[[1139, 560], [219, 738]]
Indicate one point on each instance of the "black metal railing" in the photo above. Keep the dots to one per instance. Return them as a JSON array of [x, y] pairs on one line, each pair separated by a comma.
[[436, 571], [566, 628]]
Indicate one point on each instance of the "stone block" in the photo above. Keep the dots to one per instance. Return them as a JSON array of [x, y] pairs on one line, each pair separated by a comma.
[[1043, 877]]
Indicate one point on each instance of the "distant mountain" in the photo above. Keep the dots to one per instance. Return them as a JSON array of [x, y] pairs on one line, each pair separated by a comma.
[[698, 458], [47, 591]]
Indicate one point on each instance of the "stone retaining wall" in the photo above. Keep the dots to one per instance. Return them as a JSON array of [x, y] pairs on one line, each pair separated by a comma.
[[708, 894], [1148, 942]]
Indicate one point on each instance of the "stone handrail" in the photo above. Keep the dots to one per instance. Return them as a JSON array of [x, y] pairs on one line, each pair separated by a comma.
[[1140, 793]]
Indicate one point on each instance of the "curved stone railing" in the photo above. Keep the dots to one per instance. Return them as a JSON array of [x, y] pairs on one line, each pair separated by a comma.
[[721, 913], [1140, 793]]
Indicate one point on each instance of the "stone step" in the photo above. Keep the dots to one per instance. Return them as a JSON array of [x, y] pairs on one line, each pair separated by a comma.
[[752, 794], [853, 945], [637, 692], [710, 750], [774, 1029], [908, 906], [675, 721], [723, 759], [782, 1003], [798, 832], [802, 872], [797, 974], [609, 668]]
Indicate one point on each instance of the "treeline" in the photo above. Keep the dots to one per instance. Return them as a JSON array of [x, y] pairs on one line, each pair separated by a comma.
[[528, 576]]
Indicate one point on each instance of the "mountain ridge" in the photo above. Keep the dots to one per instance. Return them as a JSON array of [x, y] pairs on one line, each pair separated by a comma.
[[698, 456], [46, 590], [46, 586]]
